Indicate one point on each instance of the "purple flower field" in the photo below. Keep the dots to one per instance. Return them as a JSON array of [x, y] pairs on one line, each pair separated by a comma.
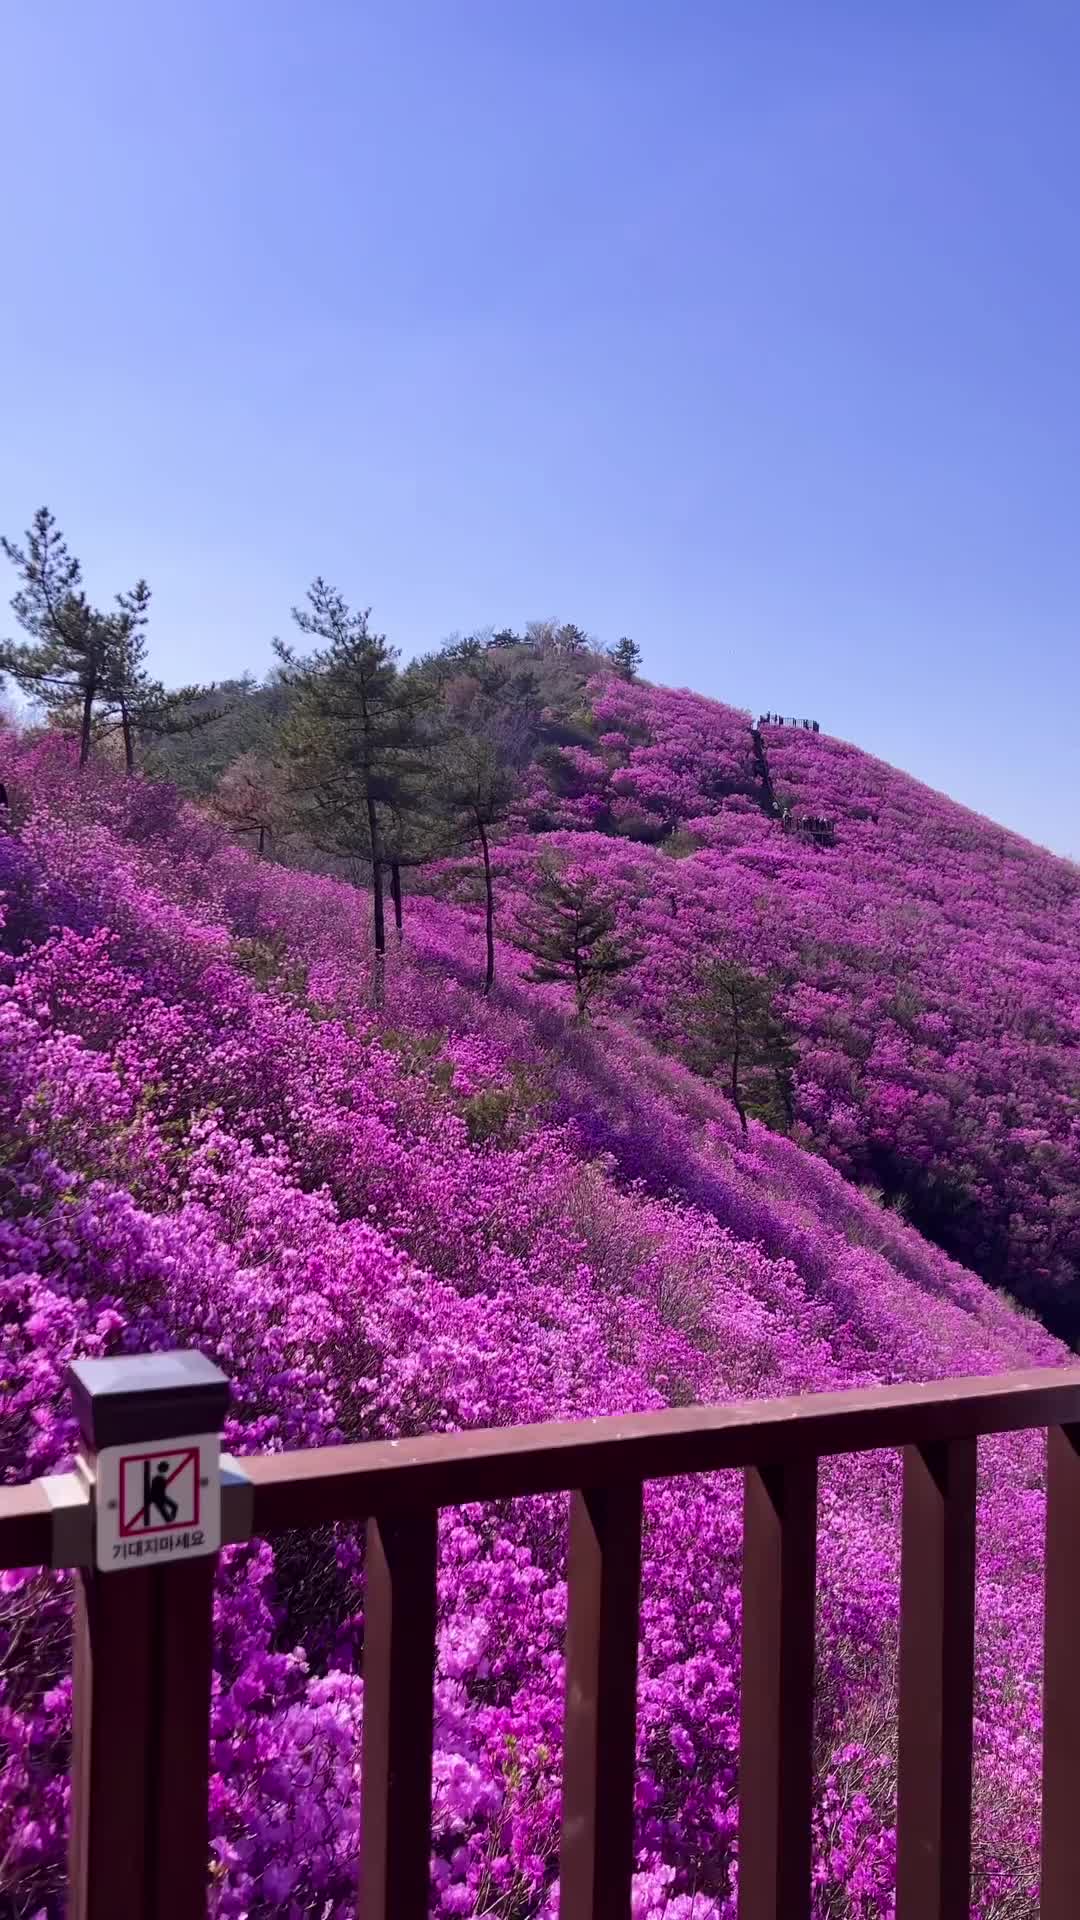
[[463, 1212], [926, 959]]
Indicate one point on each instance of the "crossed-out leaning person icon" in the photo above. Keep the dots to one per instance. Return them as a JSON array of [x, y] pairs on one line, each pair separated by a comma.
[[156, 1494]]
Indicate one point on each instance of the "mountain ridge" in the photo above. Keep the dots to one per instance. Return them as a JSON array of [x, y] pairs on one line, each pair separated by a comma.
[[957, 1093]]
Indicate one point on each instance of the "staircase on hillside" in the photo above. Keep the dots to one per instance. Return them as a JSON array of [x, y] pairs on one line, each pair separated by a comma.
[[770, 803], [812, 826]]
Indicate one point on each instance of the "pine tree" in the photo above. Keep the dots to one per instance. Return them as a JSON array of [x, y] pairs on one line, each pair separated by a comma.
[[350, 739], [131, 700], [463, 647], [85, 667], [571, 929], [412, 835], [241, 716], [64, 663], [625, 657], [733, 1035], [482, 747]]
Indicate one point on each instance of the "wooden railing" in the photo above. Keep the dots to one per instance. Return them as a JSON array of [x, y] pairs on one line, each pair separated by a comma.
[[143, 1644]]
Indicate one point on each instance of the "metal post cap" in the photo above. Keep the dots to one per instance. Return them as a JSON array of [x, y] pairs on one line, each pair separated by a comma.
[[147, 1396]]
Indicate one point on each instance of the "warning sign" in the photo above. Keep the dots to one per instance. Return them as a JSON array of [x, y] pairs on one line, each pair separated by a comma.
[[158, 1504], [158, 1490]]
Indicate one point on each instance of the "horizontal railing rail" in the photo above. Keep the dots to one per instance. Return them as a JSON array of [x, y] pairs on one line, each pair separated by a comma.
[[140, 1755], [494, 1463]]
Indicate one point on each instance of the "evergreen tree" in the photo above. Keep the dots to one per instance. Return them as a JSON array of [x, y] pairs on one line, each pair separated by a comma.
[[64, 663], [131, 700], [625, 657], [463, 647], [571, 929], [351, 740], [483, 745], [125, 678], [85, 667], [411, 833], [733, 1035], [242, 716]]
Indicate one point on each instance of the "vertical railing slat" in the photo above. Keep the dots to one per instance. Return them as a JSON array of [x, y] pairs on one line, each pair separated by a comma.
[[112, 1734], [399, 1678], [604, 1576], [1061, 1680], [139, 1840], [776, 1742], [937, 1641], [179, 1868]]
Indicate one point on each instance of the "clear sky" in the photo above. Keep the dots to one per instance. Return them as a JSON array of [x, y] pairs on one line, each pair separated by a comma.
[[750, 330]]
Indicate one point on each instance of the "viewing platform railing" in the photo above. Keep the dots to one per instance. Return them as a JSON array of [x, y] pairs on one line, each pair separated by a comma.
[[143, 1635]]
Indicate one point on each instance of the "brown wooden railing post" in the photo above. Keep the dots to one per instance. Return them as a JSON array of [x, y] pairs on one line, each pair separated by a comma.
[[776, 1742], [596, 1859], [937, 1645], [1061, 1680], [399, 1680], [142, 1660]]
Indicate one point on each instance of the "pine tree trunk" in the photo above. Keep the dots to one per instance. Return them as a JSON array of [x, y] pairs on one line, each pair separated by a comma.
[[581, 983], [395, 895], [380, 912], [380, 933], [87, 721], [129, 744], [489, 911], [736, 1098], [736, 1055]]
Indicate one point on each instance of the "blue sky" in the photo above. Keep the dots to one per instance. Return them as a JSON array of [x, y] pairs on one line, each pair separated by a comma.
[[749, 330]]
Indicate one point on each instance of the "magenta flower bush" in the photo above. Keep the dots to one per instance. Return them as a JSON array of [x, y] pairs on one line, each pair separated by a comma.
[[925, 959], [454, 1213]]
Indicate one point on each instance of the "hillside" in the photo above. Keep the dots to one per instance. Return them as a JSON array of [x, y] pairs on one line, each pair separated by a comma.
[[459, 1211], [924, 960], [921, 959]]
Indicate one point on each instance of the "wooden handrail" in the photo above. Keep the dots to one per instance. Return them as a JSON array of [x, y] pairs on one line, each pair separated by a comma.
[[320, 1484], [26, 1526], [493, 1463]]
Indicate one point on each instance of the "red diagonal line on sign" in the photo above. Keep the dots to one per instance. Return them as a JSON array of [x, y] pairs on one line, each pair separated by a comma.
[[191, 1454], [185, 1459]]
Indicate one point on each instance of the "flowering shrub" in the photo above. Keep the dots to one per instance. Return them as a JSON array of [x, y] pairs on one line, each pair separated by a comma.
[[925, 959], [199, 1150]]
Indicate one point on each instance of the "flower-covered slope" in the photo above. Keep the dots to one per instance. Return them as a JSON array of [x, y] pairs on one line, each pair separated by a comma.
[[453, 1213], [925, 959]]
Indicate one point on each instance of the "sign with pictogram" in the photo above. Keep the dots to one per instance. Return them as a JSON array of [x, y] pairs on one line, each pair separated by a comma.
[[158, 1504]]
